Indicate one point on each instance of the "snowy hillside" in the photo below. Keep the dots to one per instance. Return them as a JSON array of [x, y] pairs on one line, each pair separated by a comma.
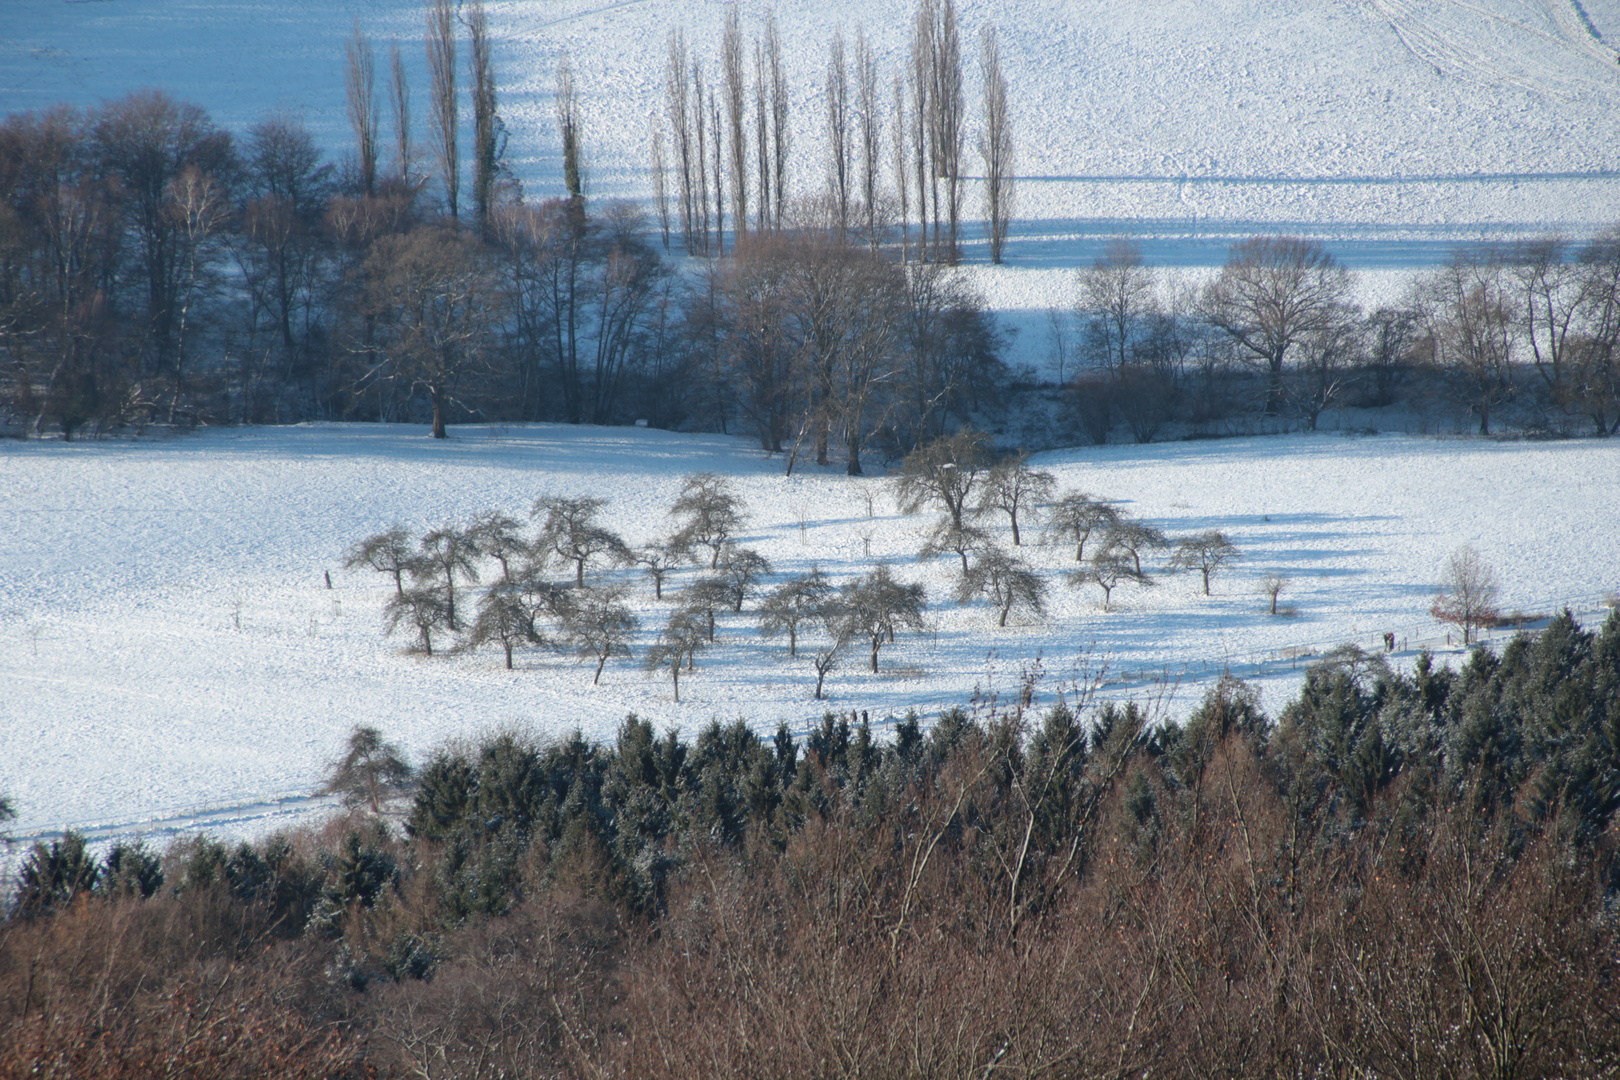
[[168, 645], [1385, 124]]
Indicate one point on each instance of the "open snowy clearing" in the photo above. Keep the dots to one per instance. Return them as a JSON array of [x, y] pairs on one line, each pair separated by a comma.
[[169, 648]]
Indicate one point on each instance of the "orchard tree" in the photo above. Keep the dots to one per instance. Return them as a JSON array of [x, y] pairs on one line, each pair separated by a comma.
[[1272, 586], [1108, 567], [679, 641], [388, 552], [1468, 593], [571, 533], [712, 514], [741, 569], [1206, 552], [704, 597], [1007, 581], [511, 614], [447, 553], [795, 603], [657, 559], [599, 625], [944, 473], [877, 606], [1012, 486], [423, 609], [1076, 516], [369, 770], [948, 539], [1132, 538], [500, 537], [839, 631]]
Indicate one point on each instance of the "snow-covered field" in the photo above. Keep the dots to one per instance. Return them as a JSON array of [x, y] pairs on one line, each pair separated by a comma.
[[1391, 129], [168, 646]]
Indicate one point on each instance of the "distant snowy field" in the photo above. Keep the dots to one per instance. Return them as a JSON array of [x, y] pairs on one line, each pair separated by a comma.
[[168, 647], [1390, 129]]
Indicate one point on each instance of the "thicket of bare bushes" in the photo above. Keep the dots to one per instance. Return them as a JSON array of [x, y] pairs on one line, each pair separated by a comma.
[[1399, 875]]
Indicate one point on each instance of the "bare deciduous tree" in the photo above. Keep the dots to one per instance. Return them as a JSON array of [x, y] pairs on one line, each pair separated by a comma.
[[837, 95], [568, 128], [678, 642], [741, 569], [1007, 581], [1468, 330], [488, 134], [599, 625], [713, 513], [571, 533], [426, 610], [944, 473], [369, 771], [995, 144], [399, 101], [1272, 586], [447, 553], [360, 92], [877, 606], [1076, 516], [1468, 593], [1272, 292], [443, 106], [1133, 538], [657, 559], [731, 62], [1108, 566], [500, 537], [795, 603], [510, 614], [433, 299], [1206, 552], [1013, 487], [388, 552]]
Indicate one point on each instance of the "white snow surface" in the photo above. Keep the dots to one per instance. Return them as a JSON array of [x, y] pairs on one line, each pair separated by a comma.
[[170, 656]]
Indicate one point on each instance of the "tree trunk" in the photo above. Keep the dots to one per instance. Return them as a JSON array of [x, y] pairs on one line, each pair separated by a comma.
[[438, 413]]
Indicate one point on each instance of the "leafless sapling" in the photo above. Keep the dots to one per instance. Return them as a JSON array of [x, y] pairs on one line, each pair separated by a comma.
[[1468, 593]]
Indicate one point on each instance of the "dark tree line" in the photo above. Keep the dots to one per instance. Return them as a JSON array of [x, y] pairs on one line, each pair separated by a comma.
[[1530, 326], [1398, 874]]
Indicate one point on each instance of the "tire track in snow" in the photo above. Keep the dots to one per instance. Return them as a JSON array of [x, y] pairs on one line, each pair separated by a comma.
[[1433, 43]]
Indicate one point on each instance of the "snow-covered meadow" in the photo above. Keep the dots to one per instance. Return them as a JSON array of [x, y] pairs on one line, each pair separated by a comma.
[[169, 649]]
